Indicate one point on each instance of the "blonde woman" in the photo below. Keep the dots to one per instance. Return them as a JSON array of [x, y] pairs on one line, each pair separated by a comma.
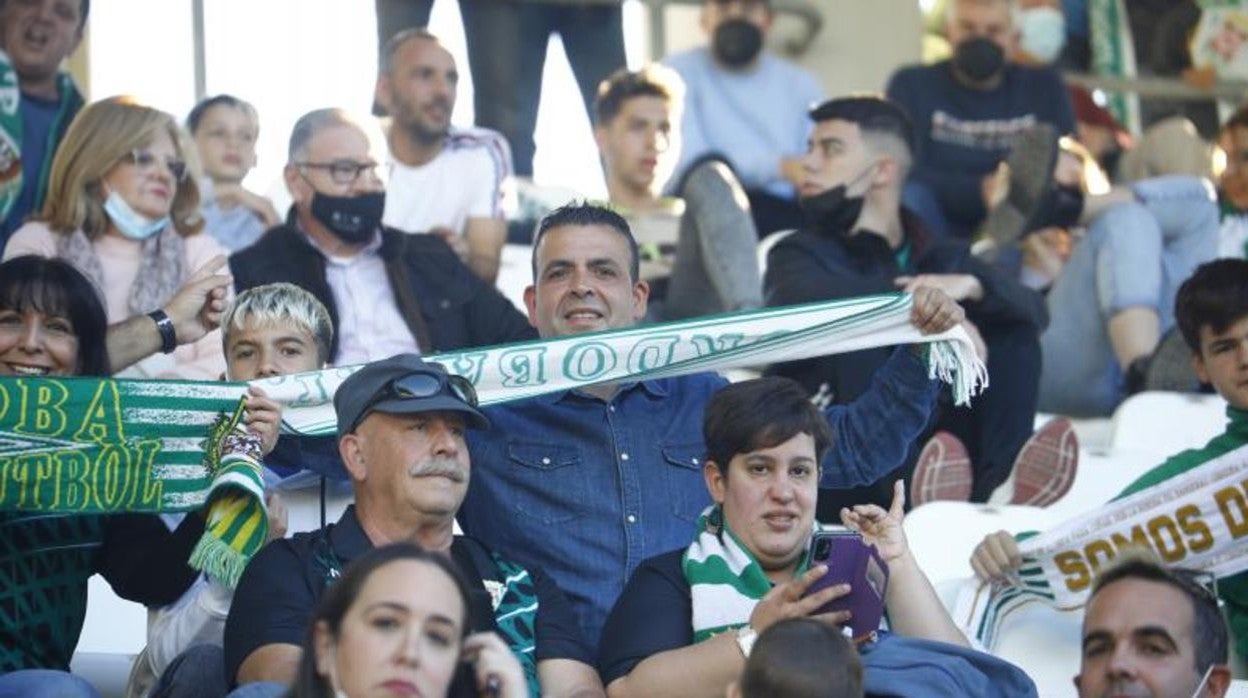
[[123, 207]]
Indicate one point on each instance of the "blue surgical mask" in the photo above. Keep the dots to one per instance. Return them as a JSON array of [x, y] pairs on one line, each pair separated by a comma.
[[129, 222], [1043, 33]]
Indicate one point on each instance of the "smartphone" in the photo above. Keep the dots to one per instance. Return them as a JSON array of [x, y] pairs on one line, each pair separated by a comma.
[[851, 561]]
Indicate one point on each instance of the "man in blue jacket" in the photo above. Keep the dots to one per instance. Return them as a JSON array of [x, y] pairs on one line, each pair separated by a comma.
[[588, 483]]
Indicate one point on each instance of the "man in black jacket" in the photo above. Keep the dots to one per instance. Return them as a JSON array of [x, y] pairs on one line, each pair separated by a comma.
[[387, 292], [860, 241]]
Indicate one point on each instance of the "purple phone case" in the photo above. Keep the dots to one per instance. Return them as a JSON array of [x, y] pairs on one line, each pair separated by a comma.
[[851, 561]]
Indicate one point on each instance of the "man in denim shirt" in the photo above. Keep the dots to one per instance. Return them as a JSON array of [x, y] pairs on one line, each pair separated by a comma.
[[588, 483]]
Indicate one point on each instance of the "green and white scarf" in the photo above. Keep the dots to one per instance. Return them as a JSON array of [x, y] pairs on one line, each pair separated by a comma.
[[1198, 520], [103, 446], [725, 581]]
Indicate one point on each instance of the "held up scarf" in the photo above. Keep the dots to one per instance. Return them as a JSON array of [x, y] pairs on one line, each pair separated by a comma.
[[101, 445], [1198, 519]]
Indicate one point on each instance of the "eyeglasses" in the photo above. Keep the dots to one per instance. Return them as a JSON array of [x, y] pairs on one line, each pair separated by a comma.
[[420, 384], [342, 171], [145, 162]]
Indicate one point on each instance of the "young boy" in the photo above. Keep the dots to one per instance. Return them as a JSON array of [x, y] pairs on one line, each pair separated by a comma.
[[270, 330], [225, 129], [1211, 310]]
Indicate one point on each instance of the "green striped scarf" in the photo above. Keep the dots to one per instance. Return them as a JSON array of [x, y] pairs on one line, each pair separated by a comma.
[[725, 580], [94, 445]]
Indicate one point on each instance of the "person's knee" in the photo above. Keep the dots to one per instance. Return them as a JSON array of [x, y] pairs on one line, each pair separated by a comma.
[[45, 683], [199, 670]]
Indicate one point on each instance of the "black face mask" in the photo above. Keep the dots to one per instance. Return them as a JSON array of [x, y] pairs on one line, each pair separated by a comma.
[[833, 211], [737, 42], [352, 219], [979, 59], [1061, 208]]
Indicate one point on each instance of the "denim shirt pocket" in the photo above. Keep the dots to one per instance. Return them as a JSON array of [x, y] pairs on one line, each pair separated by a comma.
[[686, 488], [547, 482]]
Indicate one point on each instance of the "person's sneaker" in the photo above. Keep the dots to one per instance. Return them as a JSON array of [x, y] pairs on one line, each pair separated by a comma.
[[943, 471], [1045, 466], [1029, 178]]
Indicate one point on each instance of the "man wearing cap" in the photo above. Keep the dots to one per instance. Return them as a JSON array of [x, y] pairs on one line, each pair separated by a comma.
[[401, 427]]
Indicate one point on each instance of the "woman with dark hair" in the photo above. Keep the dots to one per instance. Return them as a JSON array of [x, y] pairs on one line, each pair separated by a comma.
[[396, 624], [52, 324]]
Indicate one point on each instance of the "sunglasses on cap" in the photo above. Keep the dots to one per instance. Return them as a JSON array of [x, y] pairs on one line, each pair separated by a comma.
[[420, 384]]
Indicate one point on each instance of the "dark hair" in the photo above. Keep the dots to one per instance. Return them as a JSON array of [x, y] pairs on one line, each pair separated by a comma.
[[760, 413], [197, 113], [872, 114], [625, 84], [385, 60], [1209, 634], [54, 287], [1239, 119], [802, 658], [585, 213], [1216, 294], [339, 597]]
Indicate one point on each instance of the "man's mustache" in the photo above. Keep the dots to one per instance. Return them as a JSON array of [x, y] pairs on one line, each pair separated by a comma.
[[440, 467]]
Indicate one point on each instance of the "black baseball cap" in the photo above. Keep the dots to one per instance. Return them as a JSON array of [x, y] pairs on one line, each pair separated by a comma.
[[404, 384]]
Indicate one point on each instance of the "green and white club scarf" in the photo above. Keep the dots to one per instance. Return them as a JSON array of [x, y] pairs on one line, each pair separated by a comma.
[[103, 445], [1198, 520], [725, 581]]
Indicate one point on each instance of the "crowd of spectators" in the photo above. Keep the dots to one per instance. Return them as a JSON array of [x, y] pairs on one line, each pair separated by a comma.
[[642, 538]]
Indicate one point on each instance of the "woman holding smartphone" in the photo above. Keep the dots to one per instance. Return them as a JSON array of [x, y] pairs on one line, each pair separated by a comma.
[[687, 620]]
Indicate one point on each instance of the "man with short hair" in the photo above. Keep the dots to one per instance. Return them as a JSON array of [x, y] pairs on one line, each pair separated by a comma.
[[401, 428], [967, 112], [446, 181], [699, 250], [36, 37], [1152, 630], [1211, 310], [747, 105], [615, 469], [386, 292], [860, 240]]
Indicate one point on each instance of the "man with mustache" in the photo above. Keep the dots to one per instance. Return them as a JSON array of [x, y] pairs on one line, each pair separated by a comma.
[[401, 429], [444, 181]]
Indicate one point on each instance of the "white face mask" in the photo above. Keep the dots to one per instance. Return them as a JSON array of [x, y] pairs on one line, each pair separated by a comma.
[[1043, 32], [129, 222]]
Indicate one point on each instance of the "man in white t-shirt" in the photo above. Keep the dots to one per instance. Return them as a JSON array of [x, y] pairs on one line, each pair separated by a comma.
[[448, 182]]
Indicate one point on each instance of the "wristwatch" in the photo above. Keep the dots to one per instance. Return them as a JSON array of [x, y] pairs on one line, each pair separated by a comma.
[[746, 636], [168, 337]]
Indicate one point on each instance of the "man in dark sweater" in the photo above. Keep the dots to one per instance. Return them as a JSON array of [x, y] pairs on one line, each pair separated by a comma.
[[967, 112], [387, 292], [859, 240]]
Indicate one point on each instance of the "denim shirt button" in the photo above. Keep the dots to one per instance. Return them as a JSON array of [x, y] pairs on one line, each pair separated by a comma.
[[623, 456], [695, 460], [632, 519], [545, 461]]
